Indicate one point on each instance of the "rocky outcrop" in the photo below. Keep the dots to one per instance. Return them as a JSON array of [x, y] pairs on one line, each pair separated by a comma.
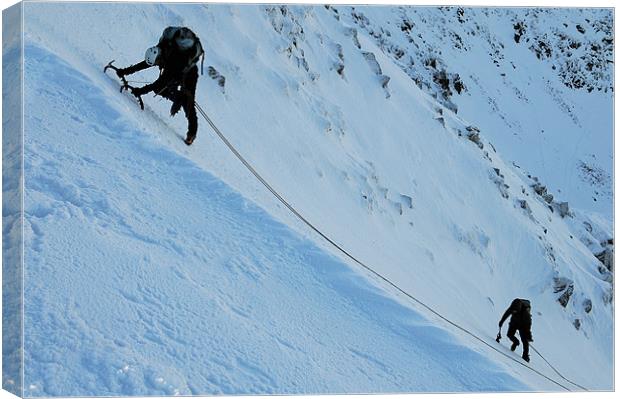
[[566, 287], [606, 257], [219, 78]]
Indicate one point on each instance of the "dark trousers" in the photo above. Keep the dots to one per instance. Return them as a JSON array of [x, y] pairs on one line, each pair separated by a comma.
[[167, 86], [525, 340], [188, 88]]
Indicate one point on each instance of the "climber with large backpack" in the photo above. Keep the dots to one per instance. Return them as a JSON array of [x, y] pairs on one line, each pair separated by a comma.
[[176, 55], [520, 315]]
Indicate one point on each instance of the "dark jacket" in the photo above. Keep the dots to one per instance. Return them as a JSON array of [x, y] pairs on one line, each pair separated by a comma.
[[180, 50], [521, 318], [174, 62]]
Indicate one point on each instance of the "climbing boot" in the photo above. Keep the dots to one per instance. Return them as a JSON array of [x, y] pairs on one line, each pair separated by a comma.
[[190, 139], [514, 346]]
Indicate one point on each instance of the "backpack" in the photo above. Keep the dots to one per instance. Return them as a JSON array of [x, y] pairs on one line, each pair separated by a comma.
[[525, 305], [521, 312], [182, 39]]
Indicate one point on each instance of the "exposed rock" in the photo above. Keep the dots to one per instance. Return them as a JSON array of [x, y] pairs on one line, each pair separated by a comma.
[[459, 86], [596, 177], [565, 297], [340, 69], [542, 50], [474, 136], [340, 64], [215, 75], [577, 324], [376, 69], [447, 81], [605, 274], [353, 33], [499, 182], [526, 207], [542, 191], [539, 189], [442, 79], [406, 26], [587, 305], [519, 28], [372, 62], [606, 257], [566, 285], [560, 284], [384, 81], [563, 209]]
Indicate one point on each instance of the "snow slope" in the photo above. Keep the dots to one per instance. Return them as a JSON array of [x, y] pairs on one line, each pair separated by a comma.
[[162, 252], [536, 81], [175, 284]]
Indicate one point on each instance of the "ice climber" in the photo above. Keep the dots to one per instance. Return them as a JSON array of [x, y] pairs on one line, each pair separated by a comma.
[[176, 55], [521, 321]]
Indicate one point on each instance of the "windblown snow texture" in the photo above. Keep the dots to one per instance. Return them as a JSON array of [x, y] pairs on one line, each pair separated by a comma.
[[175, 284], [156, 268], [12, 212]]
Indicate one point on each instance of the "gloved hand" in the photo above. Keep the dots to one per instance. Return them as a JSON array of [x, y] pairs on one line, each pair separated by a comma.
[[136, 91], [121, 73]]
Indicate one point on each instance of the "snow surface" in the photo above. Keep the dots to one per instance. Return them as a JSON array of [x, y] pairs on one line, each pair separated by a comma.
[[175, 284], [156, 268]]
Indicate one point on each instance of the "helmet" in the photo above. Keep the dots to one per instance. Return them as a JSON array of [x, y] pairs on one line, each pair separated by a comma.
[[185, 39], [152, 54]]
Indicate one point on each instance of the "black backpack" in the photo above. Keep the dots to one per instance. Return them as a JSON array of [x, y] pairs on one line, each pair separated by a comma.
[[182, 39], [525, 305], [522, 308]]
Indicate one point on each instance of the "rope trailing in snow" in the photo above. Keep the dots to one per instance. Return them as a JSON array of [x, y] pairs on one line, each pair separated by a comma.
[[362, 264], [554, 369]]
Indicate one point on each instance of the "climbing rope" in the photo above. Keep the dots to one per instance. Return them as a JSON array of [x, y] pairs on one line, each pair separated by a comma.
[[556, 370], [362, 264]]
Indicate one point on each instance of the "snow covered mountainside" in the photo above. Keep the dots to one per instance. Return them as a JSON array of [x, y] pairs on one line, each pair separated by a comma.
[[464, 154]]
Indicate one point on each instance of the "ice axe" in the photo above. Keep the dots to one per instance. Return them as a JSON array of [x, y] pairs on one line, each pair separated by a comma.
[[112, 67], [125, 85]]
